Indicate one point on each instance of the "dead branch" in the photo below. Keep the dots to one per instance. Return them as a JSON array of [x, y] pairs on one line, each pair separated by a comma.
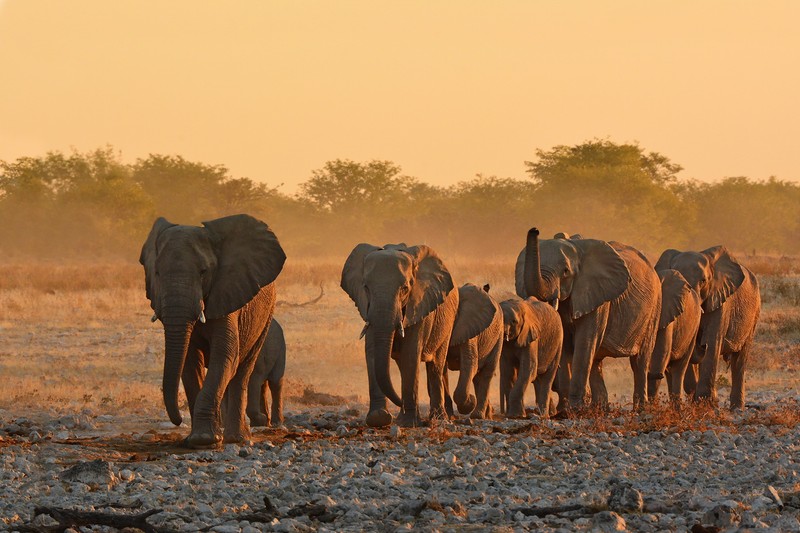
[[281, 303], [541, 512], [72, 518]]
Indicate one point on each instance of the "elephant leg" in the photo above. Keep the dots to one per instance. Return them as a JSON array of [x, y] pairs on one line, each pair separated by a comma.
[[690, 380], [257, 402], [639, 368], [676, 376], [528, 368], [236, 426], [483, 381], [589, 331], [194, 372], [276, 389], [435, 374], [411, 352], [738, 367], [542, 386], [597, 384], [508, 376], [464, 395], [448, 400]]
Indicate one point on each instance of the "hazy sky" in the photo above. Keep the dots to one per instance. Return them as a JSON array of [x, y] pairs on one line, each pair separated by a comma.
[[445, 89]]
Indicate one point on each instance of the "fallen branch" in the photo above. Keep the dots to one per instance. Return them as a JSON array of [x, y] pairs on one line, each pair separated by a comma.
[[281, 303], [541, 512], [72, 518]]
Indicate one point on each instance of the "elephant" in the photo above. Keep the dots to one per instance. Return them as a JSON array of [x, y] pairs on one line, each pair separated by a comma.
[[408, 301], [678, 324], [731, 307], [474, 349], [213, 289], [531, 353], [608, 297], [268, 374]]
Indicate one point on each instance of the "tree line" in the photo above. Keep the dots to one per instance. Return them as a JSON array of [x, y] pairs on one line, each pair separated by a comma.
[[92, 205]]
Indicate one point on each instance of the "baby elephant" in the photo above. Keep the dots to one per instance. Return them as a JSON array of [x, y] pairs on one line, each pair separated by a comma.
[[681, 309], [475, 349], [531, 353], [268, 374]]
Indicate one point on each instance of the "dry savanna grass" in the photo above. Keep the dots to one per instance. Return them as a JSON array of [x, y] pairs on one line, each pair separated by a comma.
[[78, 336]]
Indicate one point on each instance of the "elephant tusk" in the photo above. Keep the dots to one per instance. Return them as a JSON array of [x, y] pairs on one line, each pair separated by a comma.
[[554, 303], [154, 317], [363, 331], [507, 339], [202, 317], [400, 330]]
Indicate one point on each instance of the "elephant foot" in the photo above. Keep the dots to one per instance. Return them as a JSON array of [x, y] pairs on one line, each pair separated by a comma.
[[237, 436], [408, 419], [379, 418], [202, 441], [259, 420], [515, 413]]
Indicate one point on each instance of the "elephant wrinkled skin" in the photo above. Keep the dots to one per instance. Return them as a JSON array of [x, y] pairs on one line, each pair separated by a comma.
[[731, 307], [212, 288], [267, 376], [531, 353], [475, 349], [608, 297], [408, 301]]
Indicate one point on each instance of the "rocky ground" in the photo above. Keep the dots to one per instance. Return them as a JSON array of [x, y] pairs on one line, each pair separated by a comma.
[[326, 471]]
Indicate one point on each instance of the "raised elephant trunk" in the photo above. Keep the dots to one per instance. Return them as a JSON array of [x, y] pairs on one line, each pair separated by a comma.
[[176, 342], [534, 283]]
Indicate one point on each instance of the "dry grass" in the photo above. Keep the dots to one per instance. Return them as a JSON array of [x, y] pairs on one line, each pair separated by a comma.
[[78, 336]]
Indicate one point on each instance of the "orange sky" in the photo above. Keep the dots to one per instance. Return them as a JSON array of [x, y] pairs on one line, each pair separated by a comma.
[[446, 89]]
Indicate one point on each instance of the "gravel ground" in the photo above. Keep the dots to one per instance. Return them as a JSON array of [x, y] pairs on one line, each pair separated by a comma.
[[326, 471]]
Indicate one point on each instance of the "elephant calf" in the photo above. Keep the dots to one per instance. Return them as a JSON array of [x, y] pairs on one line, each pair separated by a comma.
[[681, 310], [531, 353], [268, 375], [475, 349]]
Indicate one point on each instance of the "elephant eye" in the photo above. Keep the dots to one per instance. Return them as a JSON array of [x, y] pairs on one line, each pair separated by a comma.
[[203, 271]]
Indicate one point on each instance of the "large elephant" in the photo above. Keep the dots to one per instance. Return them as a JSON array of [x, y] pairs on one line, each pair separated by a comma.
[[474, 351], [609, 299], [531, 353], [731, 306], [212, 288], [677, 330], [407, 299], [267, 376]]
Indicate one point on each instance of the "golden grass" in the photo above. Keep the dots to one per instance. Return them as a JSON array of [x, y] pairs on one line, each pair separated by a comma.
[[79, 336]]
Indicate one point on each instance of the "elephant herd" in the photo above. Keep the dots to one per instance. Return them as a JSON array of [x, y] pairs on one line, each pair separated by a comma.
[[580, 300]]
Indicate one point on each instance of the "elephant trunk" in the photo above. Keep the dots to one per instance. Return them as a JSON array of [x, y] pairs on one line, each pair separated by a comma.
[[380, 338], [660, 360], [508, 373], [527, 370], [464, 395], [534, 283], [176, 343]]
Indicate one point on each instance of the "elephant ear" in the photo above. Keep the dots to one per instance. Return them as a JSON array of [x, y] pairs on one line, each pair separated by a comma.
[[527, 322], [148, 257], [353, 277], [674, 292], [602, 277], [431, 286], [476, 311], [519, 275], [665, 261], [728, 276], [249, 257]]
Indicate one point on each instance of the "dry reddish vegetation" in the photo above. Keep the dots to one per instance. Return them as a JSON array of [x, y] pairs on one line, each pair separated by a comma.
[[78, 335]]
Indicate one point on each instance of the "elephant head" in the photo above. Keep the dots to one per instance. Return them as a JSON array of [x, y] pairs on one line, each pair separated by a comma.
[[394, 287], [713, 273], [204, 273], [587, 272]]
